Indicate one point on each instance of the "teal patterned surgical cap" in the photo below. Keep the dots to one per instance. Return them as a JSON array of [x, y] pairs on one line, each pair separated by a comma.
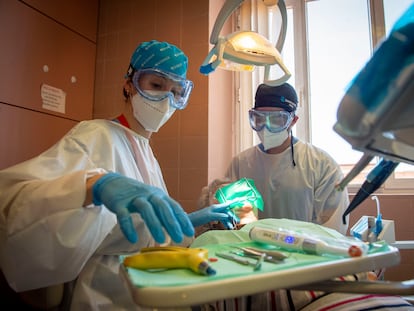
[[159, 55]]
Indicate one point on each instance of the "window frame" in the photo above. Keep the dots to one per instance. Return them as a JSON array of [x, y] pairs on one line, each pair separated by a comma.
[[246, 83]]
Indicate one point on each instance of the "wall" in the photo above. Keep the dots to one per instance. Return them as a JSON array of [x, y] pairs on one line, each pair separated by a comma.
[[43, 45], [221, 134], [188, 146]]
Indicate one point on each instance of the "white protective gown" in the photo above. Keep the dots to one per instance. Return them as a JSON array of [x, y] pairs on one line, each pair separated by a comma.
[[47, 237], [303, 192]]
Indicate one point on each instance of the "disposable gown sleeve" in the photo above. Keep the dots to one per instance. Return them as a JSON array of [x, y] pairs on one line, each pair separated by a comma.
[[335, 219], [46, 235], [330, 203]]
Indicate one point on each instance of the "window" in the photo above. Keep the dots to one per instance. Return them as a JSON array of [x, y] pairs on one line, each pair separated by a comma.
[[327, 43]]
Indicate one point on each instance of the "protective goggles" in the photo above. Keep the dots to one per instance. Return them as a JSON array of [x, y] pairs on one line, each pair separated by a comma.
[[156, 85], [275, 121]]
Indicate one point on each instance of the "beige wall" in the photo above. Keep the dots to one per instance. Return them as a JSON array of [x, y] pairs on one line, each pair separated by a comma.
[[42, 44]]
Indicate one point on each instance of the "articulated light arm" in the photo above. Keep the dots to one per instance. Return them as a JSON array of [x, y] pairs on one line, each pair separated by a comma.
[[243, 50], [282, 36], [228, 8]]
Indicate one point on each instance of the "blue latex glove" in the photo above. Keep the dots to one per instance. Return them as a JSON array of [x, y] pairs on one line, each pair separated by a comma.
[[216, 212], [123, 196]]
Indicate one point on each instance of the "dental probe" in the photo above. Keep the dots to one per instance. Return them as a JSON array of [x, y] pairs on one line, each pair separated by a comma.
[[256, 265], [256, 251]]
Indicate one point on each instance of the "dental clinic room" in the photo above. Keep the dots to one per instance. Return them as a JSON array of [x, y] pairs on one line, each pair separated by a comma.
[[207, 155]]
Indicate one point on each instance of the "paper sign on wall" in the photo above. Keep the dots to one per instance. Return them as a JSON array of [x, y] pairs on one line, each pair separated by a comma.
[[53, 98]]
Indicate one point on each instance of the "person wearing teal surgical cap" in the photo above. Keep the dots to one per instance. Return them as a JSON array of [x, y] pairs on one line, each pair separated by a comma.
[[68, 214]]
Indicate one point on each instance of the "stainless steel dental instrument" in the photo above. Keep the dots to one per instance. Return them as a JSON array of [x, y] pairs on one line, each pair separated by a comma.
[[275, 255], [256, 265]]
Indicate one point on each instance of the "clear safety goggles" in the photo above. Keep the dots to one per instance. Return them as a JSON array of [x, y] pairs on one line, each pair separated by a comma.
[[156, 85], [275, 120]]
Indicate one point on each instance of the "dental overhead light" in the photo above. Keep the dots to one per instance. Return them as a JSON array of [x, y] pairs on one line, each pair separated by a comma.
[[243, 50]]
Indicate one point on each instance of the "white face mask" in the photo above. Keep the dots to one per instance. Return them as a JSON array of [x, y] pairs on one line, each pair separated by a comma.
[[272, 140], [151, 114]]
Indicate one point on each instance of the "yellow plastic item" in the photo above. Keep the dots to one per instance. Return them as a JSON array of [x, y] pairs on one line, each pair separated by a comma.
[[170, 257]]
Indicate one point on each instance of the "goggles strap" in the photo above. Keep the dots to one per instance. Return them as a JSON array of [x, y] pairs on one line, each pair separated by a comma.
[[130, 72]]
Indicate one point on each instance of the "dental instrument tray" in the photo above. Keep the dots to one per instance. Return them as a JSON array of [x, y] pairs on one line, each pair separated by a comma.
[[175, 288]]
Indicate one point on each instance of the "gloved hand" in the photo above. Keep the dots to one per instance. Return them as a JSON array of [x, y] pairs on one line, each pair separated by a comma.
[[216, 212], [123, 196]]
